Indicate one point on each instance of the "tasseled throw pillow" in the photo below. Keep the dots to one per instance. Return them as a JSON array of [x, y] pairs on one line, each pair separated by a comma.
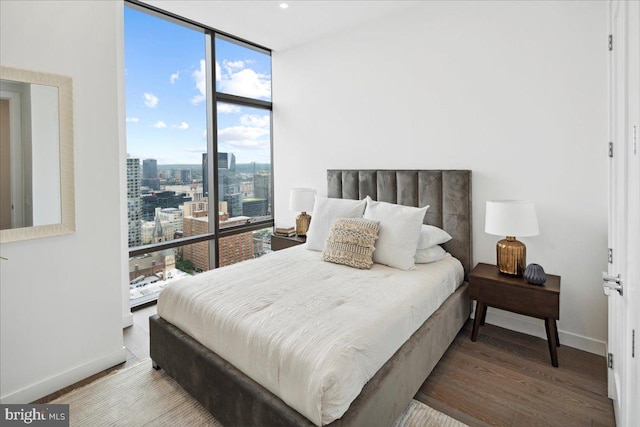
[[351, 242]]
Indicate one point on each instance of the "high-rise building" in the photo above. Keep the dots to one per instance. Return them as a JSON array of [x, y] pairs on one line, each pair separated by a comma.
[[205, 174], [232, 163], [223, 161], [197, 253], [255, 207], [161, 199], [228, 182], [150, 174], [185, 176], [134, 203], [149, 168], [196, 205], [236, 248], [262, 185], [234, 204], [233, 249]]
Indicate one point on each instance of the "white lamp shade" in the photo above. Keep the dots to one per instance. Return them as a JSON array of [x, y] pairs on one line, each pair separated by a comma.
[[302, 199], [511, 218]]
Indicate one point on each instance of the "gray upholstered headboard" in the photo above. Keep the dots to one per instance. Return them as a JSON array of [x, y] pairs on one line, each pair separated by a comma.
[[448, 192]]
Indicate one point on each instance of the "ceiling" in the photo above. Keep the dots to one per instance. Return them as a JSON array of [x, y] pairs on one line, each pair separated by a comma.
[[267, 24]]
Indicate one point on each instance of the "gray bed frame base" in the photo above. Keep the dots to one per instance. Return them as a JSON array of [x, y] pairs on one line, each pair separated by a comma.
[[235, 399]]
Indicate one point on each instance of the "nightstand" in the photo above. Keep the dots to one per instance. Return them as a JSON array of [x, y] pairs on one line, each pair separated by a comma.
[[283, 242], [491, 288]]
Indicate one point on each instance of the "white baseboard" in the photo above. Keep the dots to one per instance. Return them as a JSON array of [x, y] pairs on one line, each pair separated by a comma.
[[127, 320], [72, 376], [535, 327]]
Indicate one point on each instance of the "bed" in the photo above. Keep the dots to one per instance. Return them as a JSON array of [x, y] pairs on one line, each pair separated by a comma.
[[236, 399]]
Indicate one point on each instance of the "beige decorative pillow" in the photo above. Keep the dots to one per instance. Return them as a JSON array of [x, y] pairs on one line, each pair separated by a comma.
[[351, 242]]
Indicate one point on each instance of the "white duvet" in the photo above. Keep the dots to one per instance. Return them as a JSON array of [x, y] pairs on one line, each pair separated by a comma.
[[311, 332]]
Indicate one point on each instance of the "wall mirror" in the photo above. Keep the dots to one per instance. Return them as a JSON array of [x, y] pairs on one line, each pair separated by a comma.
[[36, 155]]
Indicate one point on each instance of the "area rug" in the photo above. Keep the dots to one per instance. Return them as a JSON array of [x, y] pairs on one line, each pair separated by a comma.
[[141, 396]]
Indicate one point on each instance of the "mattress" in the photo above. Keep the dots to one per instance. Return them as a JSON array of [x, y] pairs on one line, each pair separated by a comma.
[[311, 332]]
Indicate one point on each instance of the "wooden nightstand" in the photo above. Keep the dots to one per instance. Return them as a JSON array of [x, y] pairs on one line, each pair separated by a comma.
[[282, 242], [491, 288]]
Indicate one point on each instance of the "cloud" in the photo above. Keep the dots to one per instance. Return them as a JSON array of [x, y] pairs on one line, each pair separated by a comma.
[[218, 72], [200, 78], [132, 120], [246, 82], [183, 125], [150, 100], [160, 124], [232, 66], [255, 121], [255, 144], [244, 136], [228, 108], [175, 76], [196, 100]]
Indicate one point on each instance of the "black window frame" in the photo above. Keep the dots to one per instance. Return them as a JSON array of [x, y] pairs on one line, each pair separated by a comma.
[[213, 98]]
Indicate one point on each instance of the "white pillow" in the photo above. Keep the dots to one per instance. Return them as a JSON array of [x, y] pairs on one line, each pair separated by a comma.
[[431, 235], [432, 254], [325, 212], [399, 233]]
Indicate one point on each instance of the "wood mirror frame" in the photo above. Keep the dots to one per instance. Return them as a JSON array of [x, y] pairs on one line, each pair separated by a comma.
[[67, 185]]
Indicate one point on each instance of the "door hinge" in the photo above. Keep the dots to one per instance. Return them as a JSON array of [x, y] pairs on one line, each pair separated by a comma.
[[611, 149], [610, 42], [610, 256], [610, 360]]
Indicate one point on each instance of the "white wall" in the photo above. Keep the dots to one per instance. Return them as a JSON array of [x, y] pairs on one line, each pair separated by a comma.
[[61, 297], [515, 91]]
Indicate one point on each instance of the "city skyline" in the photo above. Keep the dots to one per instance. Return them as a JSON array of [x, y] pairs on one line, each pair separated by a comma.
[[167, 139]]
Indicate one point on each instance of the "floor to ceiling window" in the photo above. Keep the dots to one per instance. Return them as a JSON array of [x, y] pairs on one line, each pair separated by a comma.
[[199, 168]]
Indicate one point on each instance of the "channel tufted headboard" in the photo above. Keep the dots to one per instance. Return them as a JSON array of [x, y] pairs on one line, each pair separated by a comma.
[[447, 192]]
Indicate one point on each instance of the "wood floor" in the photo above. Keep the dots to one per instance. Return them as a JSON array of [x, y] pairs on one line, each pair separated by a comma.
[[505, 378]]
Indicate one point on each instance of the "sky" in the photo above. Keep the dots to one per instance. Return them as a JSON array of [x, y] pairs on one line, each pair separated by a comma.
[[165, 79]]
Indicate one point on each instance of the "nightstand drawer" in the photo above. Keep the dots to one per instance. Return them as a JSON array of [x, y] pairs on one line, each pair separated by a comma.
[[513, 293], [518, 299]]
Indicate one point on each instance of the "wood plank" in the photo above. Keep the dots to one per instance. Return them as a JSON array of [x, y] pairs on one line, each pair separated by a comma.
[[583, 376], [505, 379], [536, 397]]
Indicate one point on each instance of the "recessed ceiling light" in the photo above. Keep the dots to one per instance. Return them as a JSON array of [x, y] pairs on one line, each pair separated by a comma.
[[284, 5]]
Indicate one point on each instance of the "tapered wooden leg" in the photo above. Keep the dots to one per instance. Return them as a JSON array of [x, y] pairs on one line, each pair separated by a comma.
[[484, 314], [480, 308], [555, 324], [552, 339]]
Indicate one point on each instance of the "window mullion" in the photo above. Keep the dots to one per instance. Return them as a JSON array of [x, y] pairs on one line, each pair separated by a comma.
[[241, 100], [212, 148]]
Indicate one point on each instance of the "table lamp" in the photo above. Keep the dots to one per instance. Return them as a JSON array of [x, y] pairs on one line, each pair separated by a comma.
[[511, 218], [302, 200]]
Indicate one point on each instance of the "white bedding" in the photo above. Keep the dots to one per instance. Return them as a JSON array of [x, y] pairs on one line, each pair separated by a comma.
[[311, 332]]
